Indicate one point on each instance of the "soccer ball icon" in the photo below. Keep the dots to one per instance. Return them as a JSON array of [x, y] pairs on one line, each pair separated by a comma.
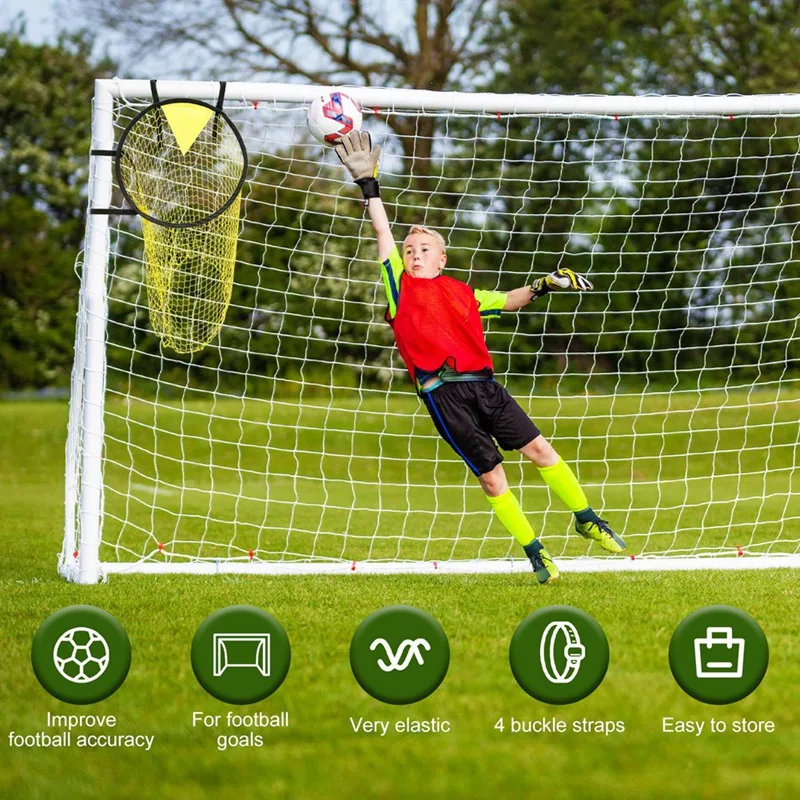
[[81, 655], [330, 116]]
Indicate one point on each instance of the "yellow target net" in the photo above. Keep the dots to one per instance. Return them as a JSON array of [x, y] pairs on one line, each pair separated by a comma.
[[181, 165]]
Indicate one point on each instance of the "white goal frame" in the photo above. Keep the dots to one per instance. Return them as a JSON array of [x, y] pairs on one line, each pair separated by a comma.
[[84, 458]]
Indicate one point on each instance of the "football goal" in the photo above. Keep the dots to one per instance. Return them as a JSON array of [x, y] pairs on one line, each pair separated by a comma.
[[238, 404]]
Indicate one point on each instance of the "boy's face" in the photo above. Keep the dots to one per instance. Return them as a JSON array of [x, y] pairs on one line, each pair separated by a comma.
[[423, 256]]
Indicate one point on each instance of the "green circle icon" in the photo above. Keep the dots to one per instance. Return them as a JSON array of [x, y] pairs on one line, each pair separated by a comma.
[[240, 654], [559, 654], [399, 654], [718, 654], [81, 654]]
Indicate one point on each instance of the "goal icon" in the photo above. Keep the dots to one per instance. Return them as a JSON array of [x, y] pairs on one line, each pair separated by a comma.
[[290, 440], [250, 650]]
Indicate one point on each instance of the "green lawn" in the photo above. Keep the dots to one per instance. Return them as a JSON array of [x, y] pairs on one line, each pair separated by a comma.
[[319, 755], [283, 478]]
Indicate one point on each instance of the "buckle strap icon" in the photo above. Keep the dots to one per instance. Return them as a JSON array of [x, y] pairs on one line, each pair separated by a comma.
[[409, 647], [574, 652]]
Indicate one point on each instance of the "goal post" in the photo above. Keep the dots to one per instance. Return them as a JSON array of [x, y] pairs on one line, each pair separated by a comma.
[[84, 468], [292, 442]]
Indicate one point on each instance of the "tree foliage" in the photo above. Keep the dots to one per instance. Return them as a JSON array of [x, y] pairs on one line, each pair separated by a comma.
[[716, 228], [45, 122], [414, 44], [711, 260]]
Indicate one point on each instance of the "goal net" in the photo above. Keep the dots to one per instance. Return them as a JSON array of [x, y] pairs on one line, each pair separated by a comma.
[[293, 440]]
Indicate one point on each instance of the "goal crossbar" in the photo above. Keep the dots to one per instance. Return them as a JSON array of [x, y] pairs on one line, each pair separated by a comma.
[[490, 103]]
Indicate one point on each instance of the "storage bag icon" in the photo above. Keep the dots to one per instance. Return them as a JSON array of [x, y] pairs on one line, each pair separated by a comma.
[[719, 654]]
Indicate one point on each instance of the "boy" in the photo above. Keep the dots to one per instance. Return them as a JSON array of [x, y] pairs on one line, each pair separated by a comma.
[[436, 322]]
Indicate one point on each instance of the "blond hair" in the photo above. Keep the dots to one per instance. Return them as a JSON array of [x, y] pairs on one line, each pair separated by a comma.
[[422, 229]]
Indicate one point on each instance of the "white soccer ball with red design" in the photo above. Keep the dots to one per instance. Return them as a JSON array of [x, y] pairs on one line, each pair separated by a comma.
[[333, 115]]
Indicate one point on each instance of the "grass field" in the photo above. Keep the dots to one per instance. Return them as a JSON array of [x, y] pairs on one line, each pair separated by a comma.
[[319, 755], [683, 473]]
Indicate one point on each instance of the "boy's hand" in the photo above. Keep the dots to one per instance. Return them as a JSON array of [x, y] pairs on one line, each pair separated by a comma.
[[356, 153], [561, 280]]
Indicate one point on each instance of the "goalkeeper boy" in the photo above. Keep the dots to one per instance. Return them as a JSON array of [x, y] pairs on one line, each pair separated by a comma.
[[437, 327]]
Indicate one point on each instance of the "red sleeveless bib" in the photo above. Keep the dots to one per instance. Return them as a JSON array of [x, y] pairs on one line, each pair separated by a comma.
[[437, 323]]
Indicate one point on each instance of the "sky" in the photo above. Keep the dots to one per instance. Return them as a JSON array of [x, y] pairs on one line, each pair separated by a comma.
[[40, 17]]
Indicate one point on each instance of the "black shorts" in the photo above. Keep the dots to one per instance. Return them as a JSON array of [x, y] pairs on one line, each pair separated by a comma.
[[468, 414]]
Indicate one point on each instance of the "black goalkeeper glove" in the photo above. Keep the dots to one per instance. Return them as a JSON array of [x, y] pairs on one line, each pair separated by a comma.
[[355, 151], [562, 280]]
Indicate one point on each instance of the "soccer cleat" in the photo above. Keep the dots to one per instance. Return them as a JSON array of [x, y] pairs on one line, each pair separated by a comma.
[[597, 530], [542, 562]]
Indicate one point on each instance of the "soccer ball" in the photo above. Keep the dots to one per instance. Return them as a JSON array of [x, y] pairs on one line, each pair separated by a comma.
[[333, 115], [81, 655]]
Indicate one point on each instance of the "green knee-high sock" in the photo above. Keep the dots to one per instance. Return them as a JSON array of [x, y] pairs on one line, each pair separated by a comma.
[[561, 479], [509, 512]]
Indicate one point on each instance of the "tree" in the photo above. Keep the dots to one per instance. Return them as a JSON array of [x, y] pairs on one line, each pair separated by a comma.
[[425, 44], [518, 179], [639, 46], [416, 44], [45, 122], [717, 243]]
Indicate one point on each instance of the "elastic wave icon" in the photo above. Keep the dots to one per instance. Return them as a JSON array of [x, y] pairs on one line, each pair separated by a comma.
[[408, 649]]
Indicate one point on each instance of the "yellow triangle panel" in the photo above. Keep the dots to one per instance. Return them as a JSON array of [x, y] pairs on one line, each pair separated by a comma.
[[186, 121]]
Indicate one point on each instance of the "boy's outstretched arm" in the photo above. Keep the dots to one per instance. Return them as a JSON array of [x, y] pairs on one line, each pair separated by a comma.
[[562, 280], [380, 222], [355, 151]]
